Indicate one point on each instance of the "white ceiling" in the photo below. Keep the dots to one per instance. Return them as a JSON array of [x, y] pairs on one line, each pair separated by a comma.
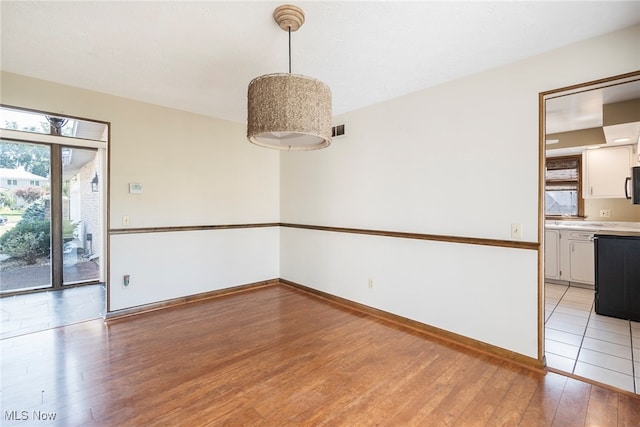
[[583, 109], [199, 56]]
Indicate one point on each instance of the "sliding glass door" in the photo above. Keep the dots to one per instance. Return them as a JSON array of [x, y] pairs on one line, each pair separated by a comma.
[[51, 200], [49, 216]]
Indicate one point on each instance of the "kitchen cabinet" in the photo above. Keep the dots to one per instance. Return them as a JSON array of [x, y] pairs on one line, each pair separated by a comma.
[[604, 171], [581, 262], [552, 254], [618, 276], [569, 257], [577, 257]]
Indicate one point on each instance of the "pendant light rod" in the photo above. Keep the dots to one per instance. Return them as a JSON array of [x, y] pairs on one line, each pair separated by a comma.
[[289, 18], [289, 49]]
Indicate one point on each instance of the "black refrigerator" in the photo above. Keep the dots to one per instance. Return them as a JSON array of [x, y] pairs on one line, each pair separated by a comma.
[[617, 262]]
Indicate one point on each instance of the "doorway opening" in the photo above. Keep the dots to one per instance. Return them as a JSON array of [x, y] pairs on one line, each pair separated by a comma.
[[52, 207], [591, 140]]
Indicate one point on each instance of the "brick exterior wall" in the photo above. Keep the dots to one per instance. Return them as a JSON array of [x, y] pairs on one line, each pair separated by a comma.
[[90, 206]]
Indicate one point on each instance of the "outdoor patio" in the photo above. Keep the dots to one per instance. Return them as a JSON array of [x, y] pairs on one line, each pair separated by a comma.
[[39, 276]]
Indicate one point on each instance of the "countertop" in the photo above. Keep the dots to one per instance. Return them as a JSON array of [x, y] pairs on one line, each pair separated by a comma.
[[602, 227]]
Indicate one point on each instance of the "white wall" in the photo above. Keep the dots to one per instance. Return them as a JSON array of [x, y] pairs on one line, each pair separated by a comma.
[[195, 170], [169, 265], [440, 284], [457, 159]]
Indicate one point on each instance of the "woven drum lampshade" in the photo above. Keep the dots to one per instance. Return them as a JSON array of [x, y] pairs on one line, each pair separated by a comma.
[[289, 112]]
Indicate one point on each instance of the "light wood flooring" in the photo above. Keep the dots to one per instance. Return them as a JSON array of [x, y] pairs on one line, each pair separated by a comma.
[[279, 356]]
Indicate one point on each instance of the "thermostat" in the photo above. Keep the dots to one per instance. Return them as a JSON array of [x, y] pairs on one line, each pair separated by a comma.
[[135, 188]]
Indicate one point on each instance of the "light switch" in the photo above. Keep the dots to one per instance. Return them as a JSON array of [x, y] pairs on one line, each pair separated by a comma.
[[516, 231], [125, 219]]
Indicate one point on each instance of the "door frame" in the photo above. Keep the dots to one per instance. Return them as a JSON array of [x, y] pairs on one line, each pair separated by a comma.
[[102, 148], [542, 97]]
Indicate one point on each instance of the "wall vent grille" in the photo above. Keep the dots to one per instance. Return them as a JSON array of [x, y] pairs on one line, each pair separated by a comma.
[[337, 131]]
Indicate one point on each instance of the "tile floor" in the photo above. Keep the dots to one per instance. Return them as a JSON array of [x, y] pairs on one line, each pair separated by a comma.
[[23, 314], [581, 342]]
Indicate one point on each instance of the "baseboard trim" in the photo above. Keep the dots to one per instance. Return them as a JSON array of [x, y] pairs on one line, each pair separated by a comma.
[[431, 331], [594, 382], [134, 311]]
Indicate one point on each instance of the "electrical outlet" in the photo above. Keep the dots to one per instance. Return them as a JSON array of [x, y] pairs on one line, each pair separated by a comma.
[[605, 213], [516, 231], [370, 283]]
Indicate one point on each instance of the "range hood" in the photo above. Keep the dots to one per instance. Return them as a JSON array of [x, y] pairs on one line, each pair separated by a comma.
[[621, 122], [575, 138]]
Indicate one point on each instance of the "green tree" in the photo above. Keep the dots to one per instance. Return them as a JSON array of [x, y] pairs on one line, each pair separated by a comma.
[[33, 158], [25, 246], [7, 200], [36, 211], [43, 127]]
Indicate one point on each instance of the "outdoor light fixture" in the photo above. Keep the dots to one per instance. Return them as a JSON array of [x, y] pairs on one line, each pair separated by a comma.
[[94, 184], [56, 124], [289, 111]]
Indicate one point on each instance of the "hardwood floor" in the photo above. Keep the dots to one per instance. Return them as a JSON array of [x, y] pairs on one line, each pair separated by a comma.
[[278, 356]]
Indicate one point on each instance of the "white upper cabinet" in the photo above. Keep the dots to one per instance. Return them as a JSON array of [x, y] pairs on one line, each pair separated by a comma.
[[605, 171]]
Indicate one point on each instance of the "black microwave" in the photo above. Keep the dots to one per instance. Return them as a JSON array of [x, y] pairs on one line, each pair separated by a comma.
[[634, 180]]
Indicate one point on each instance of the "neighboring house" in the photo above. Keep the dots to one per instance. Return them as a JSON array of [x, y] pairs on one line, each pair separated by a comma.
[[16, 179]]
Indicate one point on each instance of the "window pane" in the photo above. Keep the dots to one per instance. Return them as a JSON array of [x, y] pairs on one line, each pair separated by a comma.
[[81, 215], [25, 216], [28, 121], [561, 202], [562, 176]]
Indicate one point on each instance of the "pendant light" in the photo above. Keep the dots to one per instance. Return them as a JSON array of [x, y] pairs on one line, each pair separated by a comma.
[[289, 111]]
